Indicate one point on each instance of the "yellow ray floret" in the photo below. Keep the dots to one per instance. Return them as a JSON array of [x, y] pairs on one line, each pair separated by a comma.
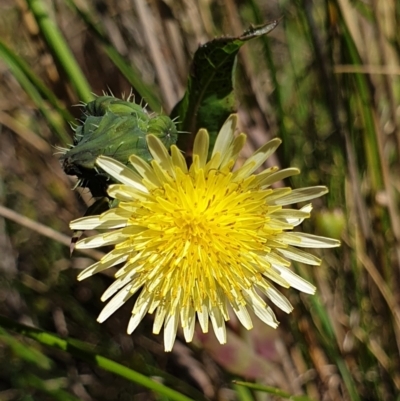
[[199, 241]]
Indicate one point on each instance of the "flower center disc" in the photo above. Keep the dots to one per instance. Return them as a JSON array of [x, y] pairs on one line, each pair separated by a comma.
[[205, 238]]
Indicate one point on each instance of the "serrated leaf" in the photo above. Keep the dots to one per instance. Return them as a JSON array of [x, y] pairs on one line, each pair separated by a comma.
[[209, 98]]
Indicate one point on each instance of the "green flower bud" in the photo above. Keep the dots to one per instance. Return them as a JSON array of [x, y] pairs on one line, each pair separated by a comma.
[[115, 128]]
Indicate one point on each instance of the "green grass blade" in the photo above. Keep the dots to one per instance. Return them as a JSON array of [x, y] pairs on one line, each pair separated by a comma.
[[60, 49], [365, 105], [273, 390], [81, 351], [9, 56], [328, 337], [25, 352], [55, 123], [32, 381], [243, 393]]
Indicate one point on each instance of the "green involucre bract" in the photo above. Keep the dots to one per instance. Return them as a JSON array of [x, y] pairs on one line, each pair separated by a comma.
[[117, 128]]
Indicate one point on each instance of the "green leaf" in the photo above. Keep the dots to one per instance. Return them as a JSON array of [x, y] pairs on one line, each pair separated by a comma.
[[209, 97]]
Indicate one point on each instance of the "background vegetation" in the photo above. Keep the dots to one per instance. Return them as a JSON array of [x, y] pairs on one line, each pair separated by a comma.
[[326, 81]]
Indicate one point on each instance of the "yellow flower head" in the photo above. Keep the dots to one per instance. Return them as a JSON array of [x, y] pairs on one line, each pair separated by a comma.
[[198, 240]]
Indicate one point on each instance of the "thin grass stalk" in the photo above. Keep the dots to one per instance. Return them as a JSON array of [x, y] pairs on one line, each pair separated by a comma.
[[388, 81], [48, 232], [301, 106], [25, 133], [323, 66], [380, 177], [365, 102], [271, 390], [147, 26], [329, 341], [276, 95], [130, 72]]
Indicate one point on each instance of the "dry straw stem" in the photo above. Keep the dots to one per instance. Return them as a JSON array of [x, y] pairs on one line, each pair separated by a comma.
[[366, 69], [147, 23], [44, 230], [384, 290], [25, 133]]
